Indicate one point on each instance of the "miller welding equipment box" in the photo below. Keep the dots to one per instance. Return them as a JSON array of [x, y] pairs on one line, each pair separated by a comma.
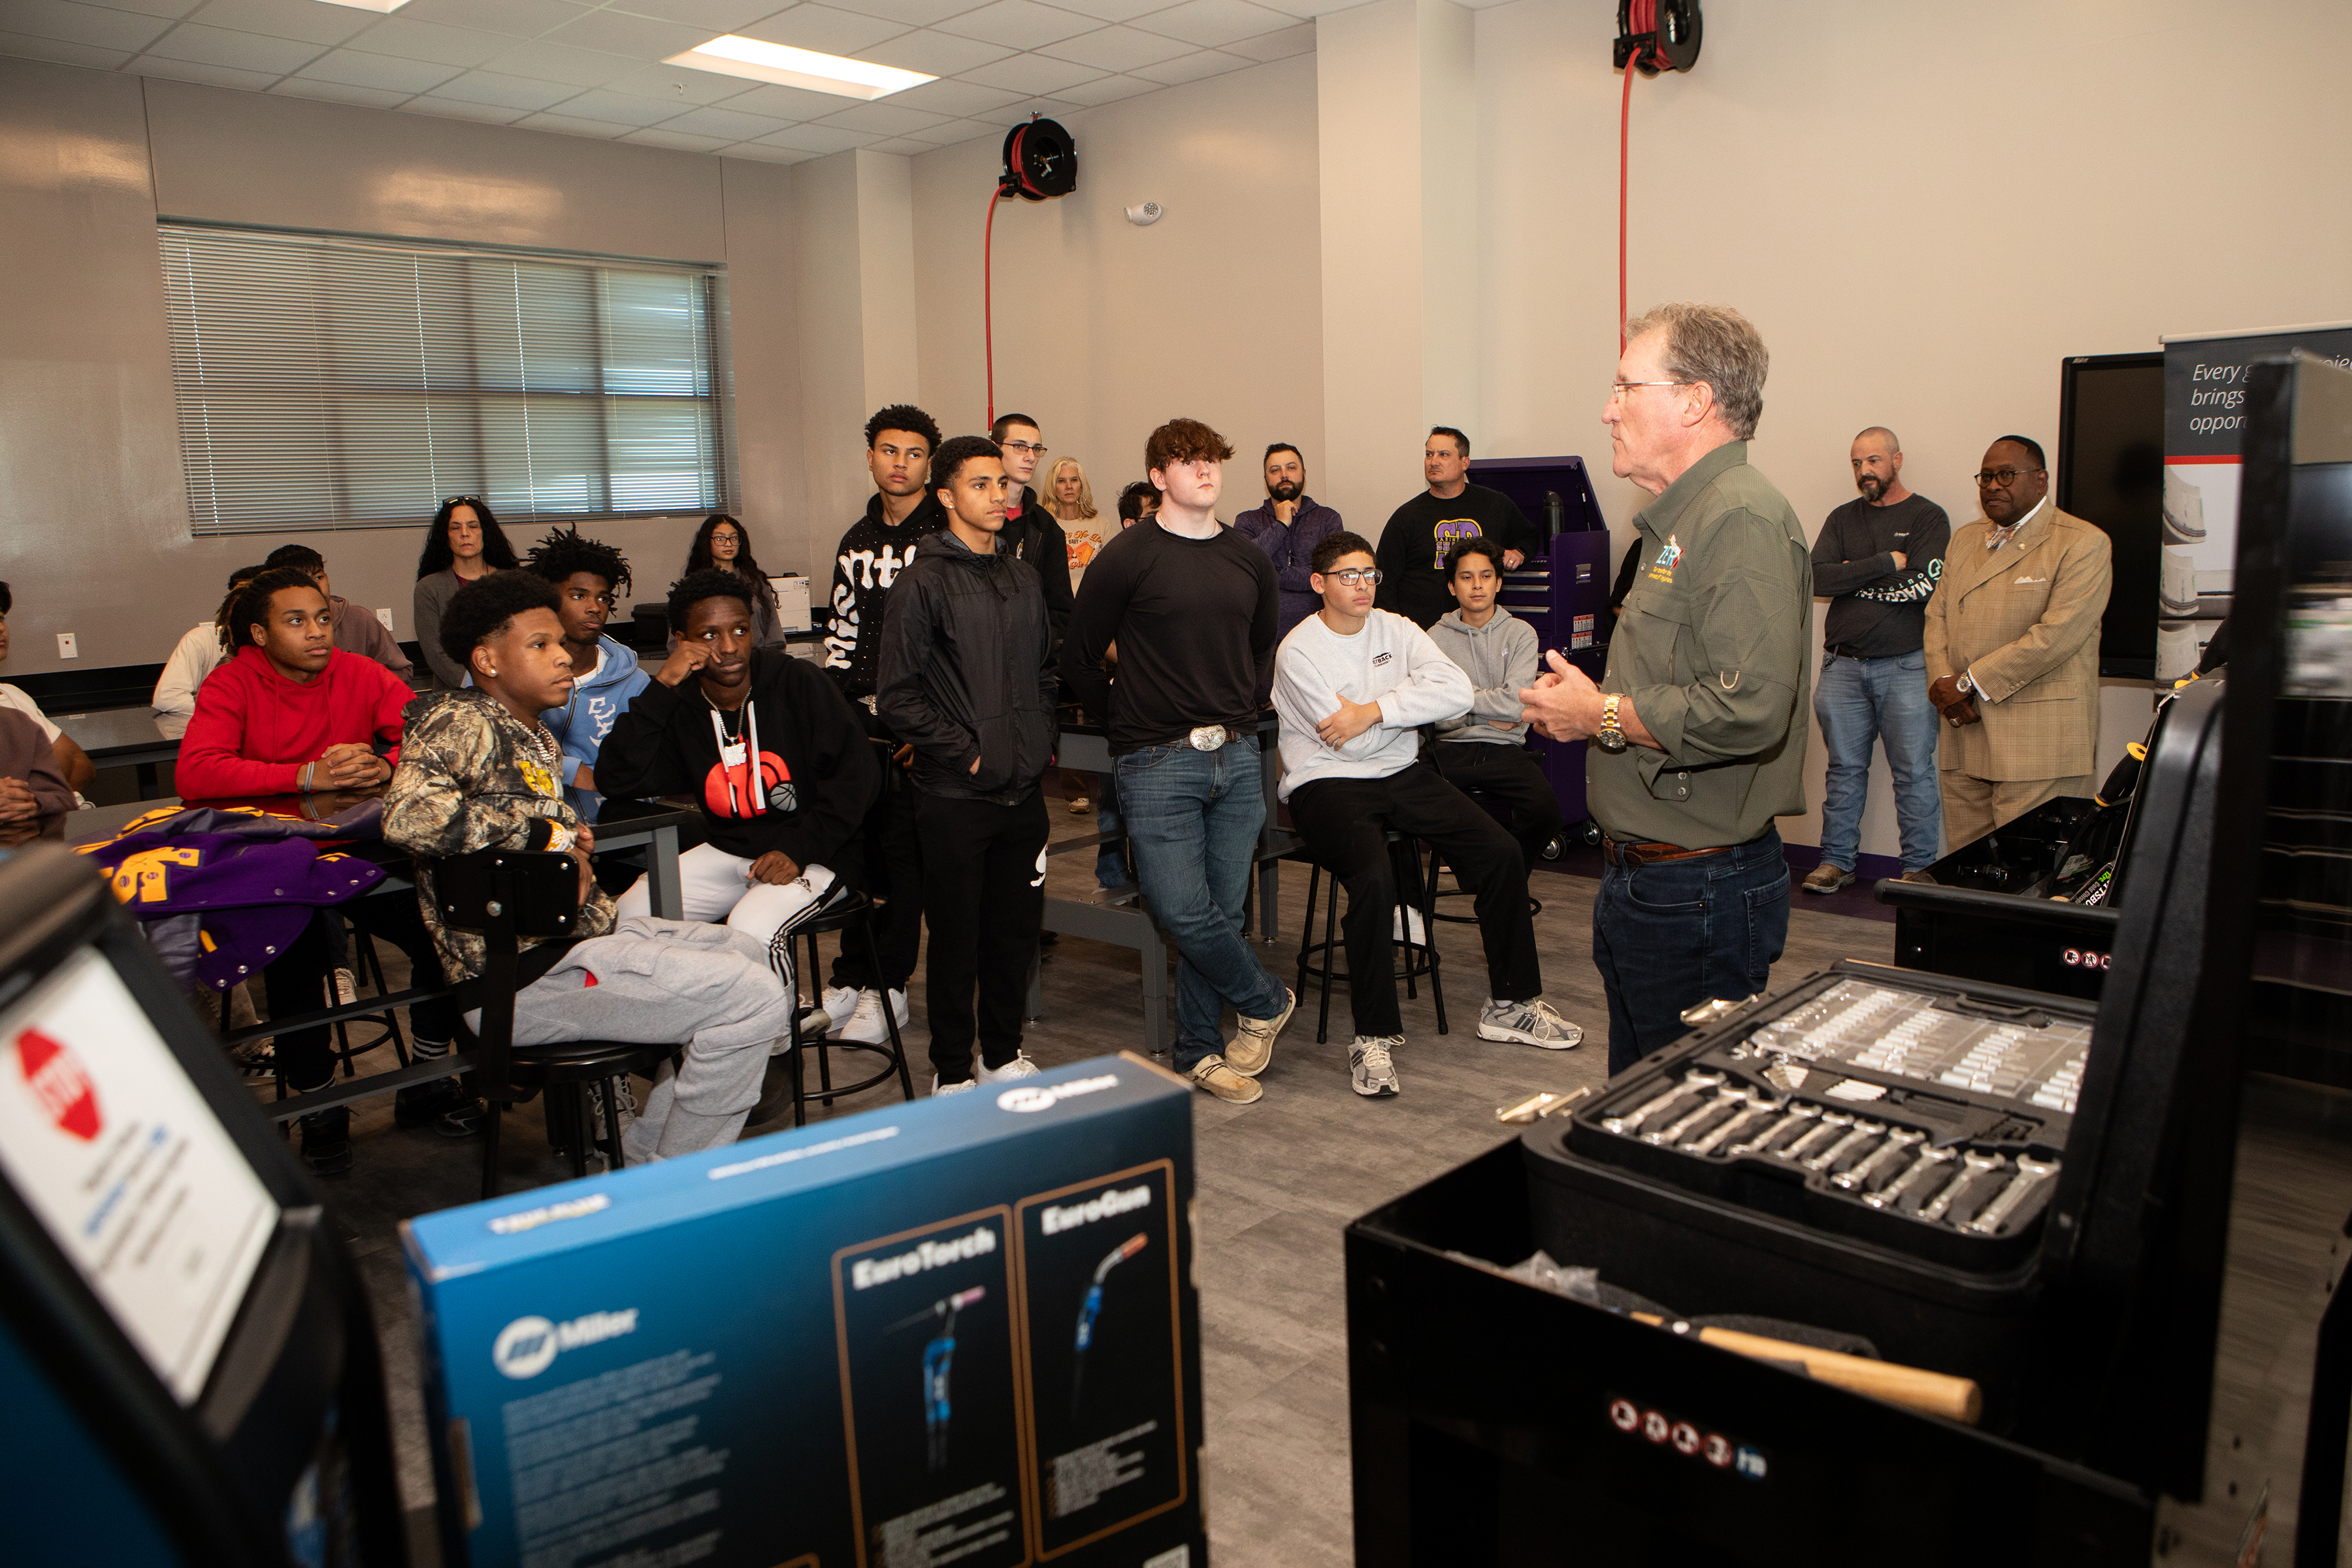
[[958, 1328]]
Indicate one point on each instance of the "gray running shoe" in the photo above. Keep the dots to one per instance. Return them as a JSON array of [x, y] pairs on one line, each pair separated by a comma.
[[1529, 1023], [1371, 1072], [1253, 1045]]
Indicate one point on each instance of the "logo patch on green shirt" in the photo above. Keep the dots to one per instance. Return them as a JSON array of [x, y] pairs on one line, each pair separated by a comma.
[[1670, 554]]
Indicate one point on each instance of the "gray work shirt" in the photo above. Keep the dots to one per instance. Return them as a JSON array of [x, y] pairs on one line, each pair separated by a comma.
[[1711, 653]]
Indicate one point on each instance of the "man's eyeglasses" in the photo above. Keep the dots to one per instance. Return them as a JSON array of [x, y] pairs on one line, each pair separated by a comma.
[[2001, 479], [1026, 448], [1620, 388], [1356, 576]]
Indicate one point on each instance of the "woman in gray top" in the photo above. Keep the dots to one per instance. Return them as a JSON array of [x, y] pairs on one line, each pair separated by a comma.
[[463, 544]]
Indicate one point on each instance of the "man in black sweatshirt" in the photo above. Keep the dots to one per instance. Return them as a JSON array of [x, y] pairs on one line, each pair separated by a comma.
[[900, 441], [1031, 532], [1419, 533], [967, 681], [776, 755]]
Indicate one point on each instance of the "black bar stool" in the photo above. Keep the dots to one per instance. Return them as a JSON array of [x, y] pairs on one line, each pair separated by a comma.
[[855, 912], [1322, 960]]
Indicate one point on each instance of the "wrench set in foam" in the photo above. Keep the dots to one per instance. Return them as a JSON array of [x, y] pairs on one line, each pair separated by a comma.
[[1869, 1106]]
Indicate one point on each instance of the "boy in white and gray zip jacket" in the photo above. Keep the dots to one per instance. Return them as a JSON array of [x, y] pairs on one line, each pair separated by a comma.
[[1352, 685], [1484, 749]]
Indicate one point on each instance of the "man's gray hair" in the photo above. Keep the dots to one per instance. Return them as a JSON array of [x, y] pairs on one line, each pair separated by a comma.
[[1718, 345]]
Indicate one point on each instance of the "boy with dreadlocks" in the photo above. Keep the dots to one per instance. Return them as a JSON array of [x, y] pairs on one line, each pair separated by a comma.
[[589, 576]]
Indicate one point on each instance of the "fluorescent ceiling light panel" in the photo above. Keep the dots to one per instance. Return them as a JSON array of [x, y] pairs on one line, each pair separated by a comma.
[[788, 67], [370, 5]]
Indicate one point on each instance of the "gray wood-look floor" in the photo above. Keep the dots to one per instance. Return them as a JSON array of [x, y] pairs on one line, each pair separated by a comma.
[[1279, 1181]]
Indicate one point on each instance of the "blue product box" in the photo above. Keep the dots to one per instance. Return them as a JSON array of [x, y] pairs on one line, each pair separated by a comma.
[[956, 1331]]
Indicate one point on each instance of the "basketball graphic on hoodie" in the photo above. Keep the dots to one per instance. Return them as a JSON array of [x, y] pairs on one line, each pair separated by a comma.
[[725, 791]]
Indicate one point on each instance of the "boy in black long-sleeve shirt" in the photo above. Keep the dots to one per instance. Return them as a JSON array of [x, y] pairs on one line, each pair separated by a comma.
[[967, 675]]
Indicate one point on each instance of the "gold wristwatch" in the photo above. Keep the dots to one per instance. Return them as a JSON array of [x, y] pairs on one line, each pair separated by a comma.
[[1611, 738]]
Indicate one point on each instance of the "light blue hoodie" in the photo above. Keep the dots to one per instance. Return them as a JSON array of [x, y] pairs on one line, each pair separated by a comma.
[[599, 696]]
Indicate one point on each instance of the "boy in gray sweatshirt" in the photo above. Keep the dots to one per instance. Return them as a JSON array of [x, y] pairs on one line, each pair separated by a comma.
[[1484, 749], [1352, 686]]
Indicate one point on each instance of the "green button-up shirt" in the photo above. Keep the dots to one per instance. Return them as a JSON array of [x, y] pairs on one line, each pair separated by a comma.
[[1711, 653]]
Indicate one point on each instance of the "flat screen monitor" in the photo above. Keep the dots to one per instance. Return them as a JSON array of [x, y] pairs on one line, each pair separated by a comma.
[[2110, 462]]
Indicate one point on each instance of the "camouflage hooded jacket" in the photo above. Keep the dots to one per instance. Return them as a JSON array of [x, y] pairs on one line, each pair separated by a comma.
[[472, 776]]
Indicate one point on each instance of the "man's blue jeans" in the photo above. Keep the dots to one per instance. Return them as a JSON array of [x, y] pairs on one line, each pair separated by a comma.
[[1670, 935], [1859, 700], [1192, 820]]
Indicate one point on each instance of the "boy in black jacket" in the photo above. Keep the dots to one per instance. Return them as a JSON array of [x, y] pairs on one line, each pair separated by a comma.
[[774, 750], [967, 679]]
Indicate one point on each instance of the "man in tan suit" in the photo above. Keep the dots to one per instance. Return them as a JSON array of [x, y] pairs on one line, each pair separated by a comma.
[[2013, 642]]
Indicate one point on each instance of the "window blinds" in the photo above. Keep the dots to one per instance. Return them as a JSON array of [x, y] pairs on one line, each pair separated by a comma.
[[332, 381]]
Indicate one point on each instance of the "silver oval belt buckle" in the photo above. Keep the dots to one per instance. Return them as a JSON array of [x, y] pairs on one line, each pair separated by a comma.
[[1208, 737]]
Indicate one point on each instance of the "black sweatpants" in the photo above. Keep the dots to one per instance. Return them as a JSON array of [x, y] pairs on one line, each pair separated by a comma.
[[297, 982], [894, 872], [1344, 821], [984, 898], [1512, 774]]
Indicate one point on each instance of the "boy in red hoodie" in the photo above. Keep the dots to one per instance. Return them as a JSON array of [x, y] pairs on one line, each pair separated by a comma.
[[292, 712]]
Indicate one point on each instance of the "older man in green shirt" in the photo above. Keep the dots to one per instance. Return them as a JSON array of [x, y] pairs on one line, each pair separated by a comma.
[[1698, 727]]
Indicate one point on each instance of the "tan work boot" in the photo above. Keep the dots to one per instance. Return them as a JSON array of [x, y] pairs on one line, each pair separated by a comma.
[[1253, 1045], [1827, 878], [1213, 1075]]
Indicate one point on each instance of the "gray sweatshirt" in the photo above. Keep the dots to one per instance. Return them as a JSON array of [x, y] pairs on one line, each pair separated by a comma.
[[1391, 662], [1501, 658]]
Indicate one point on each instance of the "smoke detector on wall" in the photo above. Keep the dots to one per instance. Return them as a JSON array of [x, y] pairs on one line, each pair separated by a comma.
[[1143, 214]]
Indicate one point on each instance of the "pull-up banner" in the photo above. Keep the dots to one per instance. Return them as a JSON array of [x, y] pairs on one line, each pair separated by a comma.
[[2204, 422]]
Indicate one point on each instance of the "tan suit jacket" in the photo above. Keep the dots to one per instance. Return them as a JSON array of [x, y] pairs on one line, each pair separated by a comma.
[[2025, 621]]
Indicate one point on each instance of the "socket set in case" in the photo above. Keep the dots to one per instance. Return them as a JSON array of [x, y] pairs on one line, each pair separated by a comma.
[[1925, 1120]]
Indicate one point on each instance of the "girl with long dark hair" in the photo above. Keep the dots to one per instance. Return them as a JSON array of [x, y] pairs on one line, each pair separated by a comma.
[[724, 542], [464, 544]]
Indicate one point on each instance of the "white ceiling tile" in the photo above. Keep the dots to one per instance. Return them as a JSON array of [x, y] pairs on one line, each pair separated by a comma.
[[621, 107], [767, 154], [450, 108], [238, 51], [934, 53], [918, 13], [636, 36], [818, 139], [726, 124], [569, 125], [1191, 68], [1109, 89], [504, 92], [903, 147], [1279, 46], [964, 97], [1117, 48], [515, 18], [197, 70], [1320, 8], [1020, 24], [1032, 73], [718, 16], [883, 118], [794, 103], [679, 84], [1113, 10], [338, 93], [355, 70], [25, 46], [676, 141], [413, 40], [304, 19], [155, 7], [1209, 23], [947, 132], [91, 24], [824, 29], [559, 62]]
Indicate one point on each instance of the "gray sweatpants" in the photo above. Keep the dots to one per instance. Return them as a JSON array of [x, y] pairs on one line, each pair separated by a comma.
[[658, 981]]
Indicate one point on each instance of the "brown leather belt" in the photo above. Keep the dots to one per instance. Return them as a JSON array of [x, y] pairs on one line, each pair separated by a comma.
[[1619, 853]]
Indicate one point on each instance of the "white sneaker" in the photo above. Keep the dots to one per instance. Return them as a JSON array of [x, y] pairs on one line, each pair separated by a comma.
[[965, 1087], [1529, 1023], [1371, 1071], [1411, 917], [865, 1026], [1019, 1066], [840, 1005], [347, 988]]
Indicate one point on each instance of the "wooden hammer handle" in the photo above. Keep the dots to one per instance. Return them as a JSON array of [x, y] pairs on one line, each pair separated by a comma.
[[1914, 1388]]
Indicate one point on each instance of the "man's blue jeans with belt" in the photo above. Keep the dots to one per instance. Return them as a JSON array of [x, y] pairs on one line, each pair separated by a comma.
[[1862, 700], [1674, 934], [1192, 821]]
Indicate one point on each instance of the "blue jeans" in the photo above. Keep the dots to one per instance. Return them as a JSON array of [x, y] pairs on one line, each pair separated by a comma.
[[1111, 859], [1192, 821], [1669, 936], [1859, 700]]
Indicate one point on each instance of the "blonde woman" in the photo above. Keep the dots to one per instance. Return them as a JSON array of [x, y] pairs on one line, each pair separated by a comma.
[[1072, 503]]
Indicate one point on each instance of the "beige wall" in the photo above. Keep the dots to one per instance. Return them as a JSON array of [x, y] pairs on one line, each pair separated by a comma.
[[1105, 329], [1924, 211]]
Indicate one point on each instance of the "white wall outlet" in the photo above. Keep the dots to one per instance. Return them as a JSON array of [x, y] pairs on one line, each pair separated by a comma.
[[384, 615], [66, 647]]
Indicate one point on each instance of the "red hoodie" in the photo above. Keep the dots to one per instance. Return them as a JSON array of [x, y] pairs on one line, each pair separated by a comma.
[[254, 729]]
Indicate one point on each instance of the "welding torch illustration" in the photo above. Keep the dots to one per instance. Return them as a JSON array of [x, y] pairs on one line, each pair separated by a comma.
[[939, 1356], [1092, 1308]]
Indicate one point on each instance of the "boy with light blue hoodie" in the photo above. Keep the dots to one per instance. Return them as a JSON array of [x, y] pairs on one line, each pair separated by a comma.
[[589, 577]]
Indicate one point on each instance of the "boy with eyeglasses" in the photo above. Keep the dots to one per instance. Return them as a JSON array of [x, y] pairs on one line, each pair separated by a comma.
[[1031, 532], [1353, 685]]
